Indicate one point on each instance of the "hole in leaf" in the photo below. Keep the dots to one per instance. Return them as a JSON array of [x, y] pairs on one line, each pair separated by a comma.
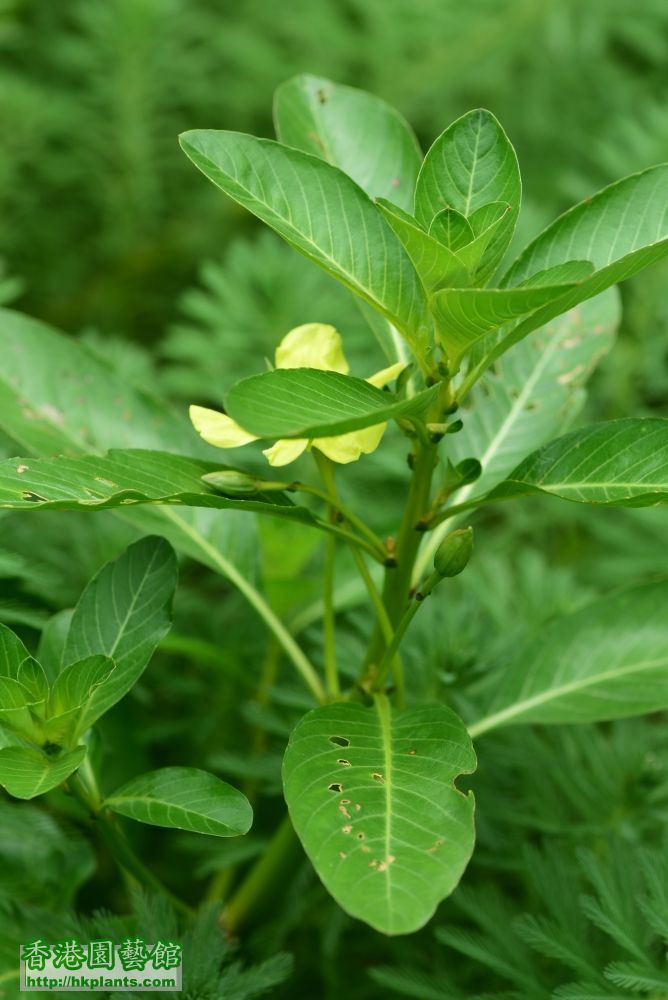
[[378, 777], [336, 786], [343, 762], [340, 741]]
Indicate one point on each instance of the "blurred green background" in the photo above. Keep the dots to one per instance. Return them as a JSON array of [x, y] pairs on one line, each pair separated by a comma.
[[109, 233], [106, 227]]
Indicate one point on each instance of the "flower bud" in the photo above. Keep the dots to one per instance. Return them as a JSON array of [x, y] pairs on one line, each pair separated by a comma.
[[454, 552], [232, 481]]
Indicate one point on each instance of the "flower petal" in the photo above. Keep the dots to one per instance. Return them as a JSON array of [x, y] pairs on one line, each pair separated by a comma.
[[386, 375], [349, 447], [312, 345], [219, 429], [285, 451]]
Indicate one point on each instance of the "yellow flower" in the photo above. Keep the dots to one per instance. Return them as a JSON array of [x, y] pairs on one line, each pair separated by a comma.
[[313, 345]]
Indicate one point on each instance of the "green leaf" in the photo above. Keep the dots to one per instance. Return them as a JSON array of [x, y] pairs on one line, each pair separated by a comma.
[[122, 614], [12, 653], [71, 711], [321, 212], [26, 773], [606, 661], [472, 241], [485, 222], [184, 798], [124, 477], [309, 403], [58, 397], [359, 133], [371, 795], [452, 229], [31, 674], [435, 263], [535, 392], [42, 405], [16, 702], [465, 315], [621, 229], [52, 642], [621, 463], [470, 165]]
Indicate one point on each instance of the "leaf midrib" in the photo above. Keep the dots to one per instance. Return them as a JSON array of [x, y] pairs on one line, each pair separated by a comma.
[[384, 717], [317, 250], [498, 718]]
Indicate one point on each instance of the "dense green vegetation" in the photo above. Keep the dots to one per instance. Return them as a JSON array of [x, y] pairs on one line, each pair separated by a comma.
[[169, 294]]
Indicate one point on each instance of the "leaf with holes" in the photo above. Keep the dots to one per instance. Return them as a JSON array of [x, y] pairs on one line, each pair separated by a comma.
[[355, 131], [469, 166], [621, 463], [184, 798], [26, 773], [321, 212], [126, 477], [308, 403], [372, 797], [122, 614], [609, 660]]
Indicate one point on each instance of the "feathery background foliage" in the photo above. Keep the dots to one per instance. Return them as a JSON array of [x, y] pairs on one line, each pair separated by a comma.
[[109, 233]]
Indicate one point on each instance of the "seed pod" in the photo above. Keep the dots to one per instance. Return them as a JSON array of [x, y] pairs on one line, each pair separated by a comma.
[[454, 552]]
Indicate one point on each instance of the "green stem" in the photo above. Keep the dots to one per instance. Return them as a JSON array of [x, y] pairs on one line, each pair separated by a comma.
[[397, 587], [343, 509], [326, 469], [118, 844], [384, 624], [408, 616], [264, 883], [331, 672], [379, 554]]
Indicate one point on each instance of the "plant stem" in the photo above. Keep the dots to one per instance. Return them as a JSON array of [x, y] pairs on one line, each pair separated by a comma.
[[392, 649], [397, 585], [384, 624], [331, 673], [119, 846], [379, 554], [264, 882], [379, 550], [326, 469]]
